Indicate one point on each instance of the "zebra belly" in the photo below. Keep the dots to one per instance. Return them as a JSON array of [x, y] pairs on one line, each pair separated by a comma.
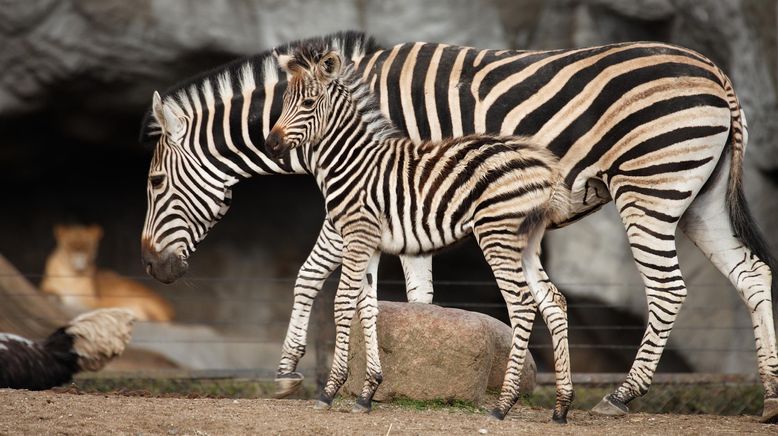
[[418, 241]]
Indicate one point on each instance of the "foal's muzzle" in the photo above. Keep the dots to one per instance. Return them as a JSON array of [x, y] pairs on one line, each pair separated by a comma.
[[275, 144]]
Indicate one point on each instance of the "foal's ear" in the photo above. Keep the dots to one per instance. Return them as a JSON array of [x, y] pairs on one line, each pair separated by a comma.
[[329, 67], [283, 61]]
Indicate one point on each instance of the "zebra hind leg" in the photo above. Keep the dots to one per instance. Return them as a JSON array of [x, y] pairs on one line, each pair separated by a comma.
[[522, 292], [521, 311], [652, 239], [707, 224], [553, 308]]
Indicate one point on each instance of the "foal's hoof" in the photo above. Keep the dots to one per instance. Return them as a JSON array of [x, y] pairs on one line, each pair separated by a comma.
[[362, 407], [559, 417], [770, 411], [287, 384], [496, 415], [610, 406]]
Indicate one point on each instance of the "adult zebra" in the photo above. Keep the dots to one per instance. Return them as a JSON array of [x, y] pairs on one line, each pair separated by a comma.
[[655, 127]]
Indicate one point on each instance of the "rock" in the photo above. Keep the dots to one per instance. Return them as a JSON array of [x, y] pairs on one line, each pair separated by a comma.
[[430, 352]]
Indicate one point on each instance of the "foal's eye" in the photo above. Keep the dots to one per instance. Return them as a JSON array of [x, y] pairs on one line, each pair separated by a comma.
[[156, 181], [308, 103]]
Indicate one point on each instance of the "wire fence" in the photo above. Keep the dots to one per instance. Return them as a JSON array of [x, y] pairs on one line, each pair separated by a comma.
[[603, 340]]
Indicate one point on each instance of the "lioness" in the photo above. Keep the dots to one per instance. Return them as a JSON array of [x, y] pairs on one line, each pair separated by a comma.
[[71, 274]]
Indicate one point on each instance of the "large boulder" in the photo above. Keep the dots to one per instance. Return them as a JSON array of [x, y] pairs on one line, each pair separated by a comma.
[[430, 352]]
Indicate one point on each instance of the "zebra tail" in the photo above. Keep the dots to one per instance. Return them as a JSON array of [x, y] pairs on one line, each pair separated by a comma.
[[743, 224], [559, 203], [556, 209]]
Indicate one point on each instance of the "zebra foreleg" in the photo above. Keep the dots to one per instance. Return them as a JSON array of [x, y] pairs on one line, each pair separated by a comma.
[[356, 257], [321, 262], [367, 310], [418, 278]]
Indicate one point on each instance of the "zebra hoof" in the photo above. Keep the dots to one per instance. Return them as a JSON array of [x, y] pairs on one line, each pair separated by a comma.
[[559, 417], [770, 411], [362, 407], [322, 405], [610, 406], [287, 384], [496, 415]]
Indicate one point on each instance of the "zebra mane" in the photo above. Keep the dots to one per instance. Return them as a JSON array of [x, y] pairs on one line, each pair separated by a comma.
[[305, 59], [247, 73]]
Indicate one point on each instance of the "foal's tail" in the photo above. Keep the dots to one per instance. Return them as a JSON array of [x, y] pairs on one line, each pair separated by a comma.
[[555, 209], [559, 204]]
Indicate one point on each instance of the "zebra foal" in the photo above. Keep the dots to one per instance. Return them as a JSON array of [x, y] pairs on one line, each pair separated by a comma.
[[385, 193]]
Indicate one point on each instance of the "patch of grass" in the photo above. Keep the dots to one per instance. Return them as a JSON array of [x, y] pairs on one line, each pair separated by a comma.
[[460, 405]]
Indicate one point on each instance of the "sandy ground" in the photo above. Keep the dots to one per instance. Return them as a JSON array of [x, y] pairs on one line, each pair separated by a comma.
[[25, 412]]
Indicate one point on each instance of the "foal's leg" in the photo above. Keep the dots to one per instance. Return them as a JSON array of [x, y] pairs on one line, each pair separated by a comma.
[[553, 309], [367, 310], [521, 311], [321, 262], [357, 253], [503, 248]]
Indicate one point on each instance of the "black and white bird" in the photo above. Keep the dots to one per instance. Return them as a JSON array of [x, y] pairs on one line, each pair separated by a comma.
[[87, 343]]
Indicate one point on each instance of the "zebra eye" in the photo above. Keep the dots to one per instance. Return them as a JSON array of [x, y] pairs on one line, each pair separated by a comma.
[[308, 103], [156, 181]]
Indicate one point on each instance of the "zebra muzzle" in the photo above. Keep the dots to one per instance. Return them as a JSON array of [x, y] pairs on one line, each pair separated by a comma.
[[166, 267]]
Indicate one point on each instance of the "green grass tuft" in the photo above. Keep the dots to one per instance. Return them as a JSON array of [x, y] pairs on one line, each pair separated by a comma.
[[459, 405]]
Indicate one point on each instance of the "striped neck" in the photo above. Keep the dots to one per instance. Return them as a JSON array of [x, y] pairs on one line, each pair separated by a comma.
[[355, 127], [228, 115], [230, 111]]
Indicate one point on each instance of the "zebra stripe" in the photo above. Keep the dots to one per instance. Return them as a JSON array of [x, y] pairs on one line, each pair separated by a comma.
[[619, 117]]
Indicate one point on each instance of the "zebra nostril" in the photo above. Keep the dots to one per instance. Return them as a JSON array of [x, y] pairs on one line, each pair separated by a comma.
[[148, 269], [274, 141]]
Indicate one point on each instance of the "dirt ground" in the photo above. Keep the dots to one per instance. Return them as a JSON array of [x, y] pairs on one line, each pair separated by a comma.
[[25, 412]]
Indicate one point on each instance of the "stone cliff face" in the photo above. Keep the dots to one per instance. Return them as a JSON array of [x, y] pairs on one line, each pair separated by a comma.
[[76, 76]]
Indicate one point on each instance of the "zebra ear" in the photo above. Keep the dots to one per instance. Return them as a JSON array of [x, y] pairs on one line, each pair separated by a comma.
[[166, 118], [329, 67]]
